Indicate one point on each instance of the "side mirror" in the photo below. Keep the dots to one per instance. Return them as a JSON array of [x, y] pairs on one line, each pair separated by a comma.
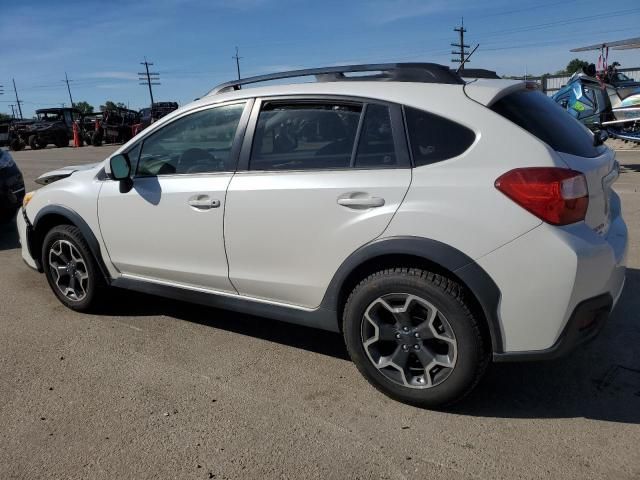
[[121, 170], [120, 167], [600, 137]]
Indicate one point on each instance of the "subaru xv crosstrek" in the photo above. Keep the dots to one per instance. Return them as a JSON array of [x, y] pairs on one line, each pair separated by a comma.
[[438, 225]]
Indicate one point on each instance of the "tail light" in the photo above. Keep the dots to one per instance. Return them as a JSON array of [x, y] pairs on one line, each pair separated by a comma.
[[556, 195]]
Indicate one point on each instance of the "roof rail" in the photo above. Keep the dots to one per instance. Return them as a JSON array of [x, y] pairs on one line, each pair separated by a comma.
[[397, 72]]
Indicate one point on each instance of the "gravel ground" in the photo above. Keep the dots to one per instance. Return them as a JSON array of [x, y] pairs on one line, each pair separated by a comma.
[[153, 388]]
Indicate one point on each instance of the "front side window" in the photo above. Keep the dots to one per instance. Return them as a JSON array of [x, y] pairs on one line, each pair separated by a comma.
[[305, 136], [197, 143]]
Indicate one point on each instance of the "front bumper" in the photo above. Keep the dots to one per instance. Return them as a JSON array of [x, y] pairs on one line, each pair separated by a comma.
[[25, 233], [12, 192]]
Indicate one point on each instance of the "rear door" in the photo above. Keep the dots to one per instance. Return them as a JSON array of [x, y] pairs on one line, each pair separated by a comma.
[[321, 177]]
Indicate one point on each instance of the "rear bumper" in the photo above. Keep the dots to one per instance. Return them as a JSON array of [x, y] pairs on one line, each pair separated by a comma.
[[584, 325], [550, 279]]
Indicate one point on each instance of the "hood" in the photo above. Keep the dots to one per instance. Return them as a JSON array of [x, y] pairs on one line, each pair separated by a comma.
[[43, 125], [64, 172]]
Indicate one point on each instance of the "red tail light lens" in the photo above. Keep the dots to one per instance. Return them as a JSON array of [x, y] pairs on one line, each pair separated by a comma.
[[556, 195]]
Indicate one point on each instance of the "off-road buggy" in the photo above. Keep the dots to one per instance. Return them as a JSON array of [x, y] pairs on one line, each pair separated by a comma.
[[52, 125]]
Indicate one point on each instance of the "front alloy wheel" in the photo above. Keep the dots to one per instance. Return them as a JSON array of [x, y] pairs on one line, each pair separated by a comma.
[[69, 270]]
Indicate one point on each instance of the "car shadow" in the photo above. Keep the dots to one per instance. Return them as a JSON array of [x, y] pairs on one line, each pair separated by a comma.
[[600, 380], [9, 235], [129, 303], [635, 167]]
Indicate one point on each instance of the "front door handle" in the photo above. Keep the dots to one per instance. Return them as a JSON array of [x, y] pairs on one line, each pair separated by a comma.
[[203, 202], [360, 201]]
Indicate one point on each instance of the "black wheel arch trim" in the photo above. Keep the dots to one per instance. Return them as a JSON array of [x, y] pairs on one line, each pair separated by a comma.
[[449, 258], [75, 219]]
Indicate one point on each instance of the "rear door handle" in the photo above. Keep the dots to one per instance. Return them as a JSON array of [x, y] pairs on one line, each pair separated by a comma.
[[203, 202], [360, 201]]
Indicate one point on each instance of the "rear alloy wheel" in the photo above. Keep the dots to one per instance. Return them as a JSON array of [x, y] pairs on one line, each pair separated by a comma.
[[71, 269], [412, 335], [409, 341]]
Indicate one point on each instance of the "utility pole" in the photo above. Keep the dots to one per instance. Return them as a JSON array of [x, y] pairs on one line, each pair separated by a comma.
[[17, 99], [66, 79], [237, 58], [462, 52], [13, 112], [149, 78]]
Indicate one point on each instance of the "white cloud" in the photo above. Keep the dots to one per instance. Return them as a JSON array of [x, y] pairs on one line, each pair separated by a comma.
[[113, 75], [387, 11]]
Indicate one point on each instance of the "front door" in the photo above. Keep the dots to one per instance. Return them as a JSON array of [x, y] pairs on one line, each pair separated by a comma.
[[324, 178], [168, 227]]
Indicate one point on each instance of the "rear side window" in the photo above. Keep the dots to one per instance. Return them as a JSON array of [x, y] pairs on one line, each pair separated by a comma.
[[305, 136], [434, 138], [545, 119]]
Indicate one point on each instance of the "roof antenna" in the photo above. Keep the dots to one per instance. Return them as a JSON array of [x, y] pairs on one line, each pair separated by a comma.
[[465, 60]]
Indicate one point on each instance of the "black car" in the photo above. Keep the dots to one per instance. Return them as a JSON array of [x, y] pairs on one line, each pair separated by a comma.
[[11, 187]]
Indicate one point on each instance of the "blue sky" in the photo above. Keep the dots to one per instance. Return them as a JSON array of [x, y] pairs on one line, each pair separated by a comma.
[[100, 43]]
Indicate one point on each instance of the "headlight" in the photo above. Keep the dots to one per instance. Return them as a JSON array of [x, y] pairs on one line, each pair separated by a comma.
[[27, 198]]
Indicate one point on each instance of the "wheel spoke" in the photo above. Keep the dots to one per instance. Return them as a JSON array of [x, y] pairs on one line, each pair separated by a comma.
[[425, 357]]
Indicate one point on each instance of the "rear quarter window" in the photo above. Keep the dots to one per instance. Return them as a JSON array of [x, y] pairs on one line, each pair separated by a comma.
[[434, 138], [545, 119]]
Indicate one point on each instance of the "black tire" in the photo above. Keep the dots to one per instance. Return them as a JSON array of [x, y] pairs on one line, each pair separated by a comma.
[[16, 145], [96, 139], [94, 286], [471, 347], [33, 142]]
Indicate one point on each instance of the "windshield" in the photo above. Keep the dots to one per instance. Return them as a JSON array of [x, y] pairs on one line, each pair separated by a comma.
[[545, 119], [49, 116]]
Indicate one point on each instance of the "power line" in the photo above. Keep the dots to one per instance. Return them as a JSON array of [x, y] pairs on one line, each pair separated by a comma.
[[237, 62], [66, 79], [149, 78]]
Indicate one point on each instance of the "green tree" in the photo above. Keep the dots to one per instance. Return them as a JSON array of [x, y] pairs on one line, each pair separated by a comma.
[[575, 65], [109, 105], [4, 116], [84, 107]]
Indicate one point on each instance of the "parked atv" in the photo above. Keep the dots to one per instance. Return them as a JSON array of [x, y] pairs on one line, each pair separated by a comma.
[[110, 126], [53, 125], [17, 133], [147, 116]]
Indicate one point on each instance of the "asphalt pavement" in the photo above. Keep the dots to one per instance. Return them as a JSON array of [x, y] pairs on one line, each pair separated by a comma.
[[153, 388]]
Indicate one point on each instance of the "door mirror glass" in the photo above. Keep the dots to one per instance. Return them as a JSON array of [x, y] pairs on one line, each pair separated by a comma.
[[120, 167]]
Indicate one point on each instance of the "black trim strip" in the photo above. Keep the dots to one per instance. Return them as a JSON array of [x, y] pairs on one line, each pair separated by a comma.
[[318, 318]]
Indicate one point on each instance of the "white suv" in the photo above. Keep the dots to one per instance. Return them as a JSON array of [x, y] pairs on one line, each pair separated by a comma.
[[437, 224]]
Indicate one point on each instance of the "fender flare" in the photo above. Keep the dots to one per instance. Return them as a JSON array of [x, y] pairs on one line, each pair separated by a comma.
[[449, 258], [75, 219]]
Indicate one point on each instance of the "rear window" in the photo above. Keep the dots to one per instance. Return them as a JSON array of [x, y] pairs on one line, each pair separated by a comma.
[[545, 119], [433, 138]]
